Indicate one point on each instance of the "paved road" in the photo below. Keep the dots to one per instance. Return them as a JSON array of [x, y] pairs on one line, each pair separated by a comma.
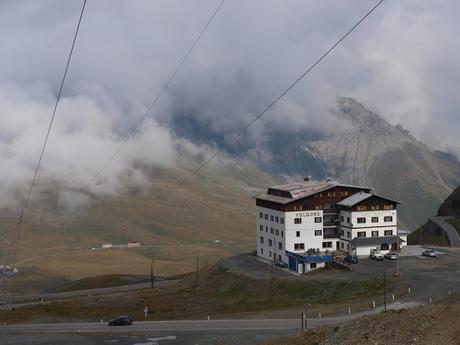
[[34, 299], [194, 325], [451, 232]]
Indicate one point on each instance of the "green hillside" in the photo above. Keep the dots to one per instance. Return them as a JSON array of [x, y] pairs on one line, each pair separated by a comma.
[[210, 217]]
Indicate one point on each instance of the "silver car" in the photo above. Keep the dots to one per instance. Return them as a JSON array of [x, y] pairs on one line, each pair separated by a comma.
[[391, 256], [430, 253]]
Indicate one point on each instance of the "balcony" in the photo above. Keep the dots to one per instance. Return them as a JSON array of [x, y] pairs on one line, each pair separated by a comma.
[[328, 222], [332, 234]]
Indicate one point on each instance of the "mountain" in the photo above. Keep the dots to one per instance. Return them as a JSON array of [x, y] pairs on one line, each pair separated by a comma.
[[371, 152], [451, 206]]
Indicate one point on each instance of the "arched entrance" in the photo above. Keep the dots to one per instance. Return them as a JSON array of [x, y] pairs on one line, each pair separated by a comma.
[[384, 246]]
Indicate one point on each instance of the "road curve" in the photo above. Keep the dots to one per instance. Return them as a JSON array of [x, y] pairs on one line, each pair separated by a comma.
[[451, 232]]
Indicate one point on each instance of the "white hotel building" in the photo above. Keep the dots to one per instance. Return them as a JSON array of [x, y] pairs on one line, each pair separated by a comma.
[[303, 224]]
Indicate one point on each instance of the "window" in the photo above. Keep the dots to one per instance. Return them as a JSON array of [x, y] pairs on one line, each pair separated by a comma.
[[361, 220], [280, 245], [266, 216], [388, 219], [342, 233], [348, 219], [348, 245], [327, 244], [375, 234], [297, 220], [388, 232], [282, 233], [266, 229], [277, 219], [261, 239], [375, 219], [261, 250], [277, 232], [313, 265], [348, 234], [318, 219], [279, 258], [272, 231], [270, 242], [297, 234], [341, 218], [282, 220], [261, 227], [270, 253], [341, 245], [261, 215], [388, 207], [299, 246], [318, 232], [361, 233], [272, 218]]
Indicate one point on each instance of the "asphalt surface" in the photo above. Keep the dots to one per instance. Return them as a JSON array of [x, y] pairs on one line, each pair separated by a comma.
[[451, 232], [242, 331], [195, 325], [151, 338]]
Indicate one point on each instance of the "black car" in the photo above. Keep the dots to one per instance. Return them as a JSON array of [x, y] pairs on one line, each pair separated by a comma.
[[352, 259], [280, 264], [121, 321]]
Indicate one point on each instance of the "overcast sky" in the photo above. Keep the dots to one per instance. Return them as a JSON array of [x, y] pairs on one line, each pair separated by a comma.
[[403, 63]]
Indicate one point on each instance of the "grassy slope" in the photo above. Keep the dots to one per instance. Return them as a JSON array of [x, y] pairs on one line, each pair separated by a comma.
[[177, 226], [220, 293], [425, 235]]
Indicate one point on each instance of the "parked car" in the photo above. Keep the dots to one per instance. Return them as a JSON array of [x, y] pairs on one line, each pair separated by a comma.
[[121, 321], [281, 264], [391, 256], [352, 259], [430, 253], [376, 255]]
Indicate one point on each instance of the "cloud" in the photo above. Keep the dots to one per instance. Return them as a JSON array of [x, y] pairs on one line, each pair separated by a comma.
[[80, 143], [401, 62]]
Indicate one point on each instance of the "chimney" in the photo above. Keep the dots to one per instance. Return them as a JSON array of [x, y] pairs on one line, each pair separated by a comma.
[[328, 179], [307, 179]]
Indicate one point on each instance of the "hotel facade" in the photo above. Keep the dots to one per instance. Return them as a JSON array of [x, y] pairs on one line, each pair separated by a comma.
[[305, 224]]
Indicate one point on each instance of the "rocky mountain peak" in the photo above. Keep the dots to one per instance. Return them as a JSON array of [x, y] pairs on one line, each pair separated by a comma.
[[351, 110]]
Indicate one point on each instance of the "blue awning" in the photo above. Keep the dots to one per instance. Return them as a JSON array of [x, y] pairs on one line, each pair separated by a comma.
[[309, 258]]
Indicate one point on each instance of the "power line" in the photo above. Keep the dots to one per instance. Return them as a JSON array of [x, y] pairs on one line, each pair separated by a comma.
[[158, 96], [13, 247], [309, 69]]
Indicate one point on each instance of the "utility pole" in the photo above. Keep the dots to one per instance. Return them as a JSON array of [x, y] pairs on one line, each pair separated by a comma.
[[398, 252], [272, 272], [152, 276], [385, 289], [197, 267]]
